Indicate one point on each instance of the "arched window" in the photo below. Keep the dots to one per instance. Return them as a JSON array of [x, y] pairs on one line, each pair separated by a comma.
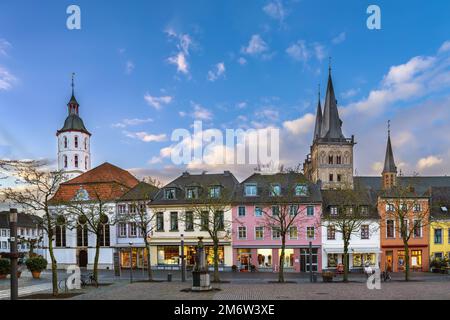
[[322, 157], [104, 231], [85, 143], [330, 158], [76, 141], [65, 161], [65, 142], [86, 163], [347, 157], [76, 161], [338, 158], [60, 232]]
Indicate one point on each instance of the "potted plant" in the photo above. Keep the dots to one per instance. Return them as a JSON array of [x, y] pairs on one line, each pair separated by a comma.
[[36, 265], [5, 268], [435, 266], [327, 276]]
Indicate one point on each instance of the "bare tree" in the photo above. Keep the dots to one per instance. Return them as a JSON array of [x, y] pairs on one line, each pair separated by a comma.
[[283, 208], [346, 211], [138, 198], [35, 187], [93, 209], [410, 213]]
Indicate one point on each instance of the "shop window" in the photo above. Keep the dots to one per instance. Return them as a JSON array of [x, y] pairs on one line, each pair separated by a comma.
[[264, 258], [332, 260], [288, 261], [416, 258], [168, 255]]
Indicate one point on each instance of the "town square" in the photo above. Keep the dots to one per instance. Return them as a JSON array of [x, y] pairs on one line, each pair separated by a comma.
[[224, 151]]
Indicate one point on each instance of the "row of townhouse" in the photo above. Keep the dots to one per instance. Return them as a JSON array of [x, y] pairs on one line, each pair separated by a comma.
[[248, 238]]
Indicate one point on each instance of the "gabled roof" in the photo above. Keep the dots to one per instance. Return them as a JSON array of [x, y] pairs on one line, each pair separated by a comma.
[[23, 220], [421, 184], [105, 182], [142, 191], [226, 180], [287, 180]]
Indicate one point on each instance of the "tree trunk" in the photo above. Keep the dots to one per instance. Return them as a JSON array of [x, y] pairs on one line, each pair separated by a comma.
[[149, 264], [406, 260], [216, 260], [281, 270], [54, 265], [346, 261], [97, 256]]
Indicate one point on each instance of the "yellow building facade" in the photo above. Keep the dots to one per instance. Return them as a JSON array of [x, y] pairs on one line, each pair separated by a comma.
[[440, 239]]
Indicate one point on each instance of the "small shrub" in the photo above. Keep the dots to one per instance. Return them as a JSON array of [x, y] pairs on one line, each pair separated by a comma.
[[36, 264], [5, 266]]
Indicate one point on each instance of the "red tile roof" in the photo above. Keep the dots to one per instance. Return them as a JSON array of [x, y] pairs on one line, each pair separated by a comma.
[[105, 182]]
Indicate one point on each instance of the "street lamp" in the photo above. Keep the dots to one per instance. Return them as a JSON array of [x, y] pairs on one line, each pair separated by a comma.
[[13, 253], [183, 262], [131, 261]]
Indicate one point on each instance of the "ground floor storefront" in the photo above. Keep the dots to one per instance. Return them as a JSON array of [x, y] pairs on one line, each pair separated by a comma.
[[358, 258], [296, 259], [393, 258]]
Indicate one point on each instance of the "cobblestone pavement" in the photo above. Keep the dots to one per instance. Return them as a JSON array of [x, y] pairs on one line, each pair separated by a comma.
[[274, 291]]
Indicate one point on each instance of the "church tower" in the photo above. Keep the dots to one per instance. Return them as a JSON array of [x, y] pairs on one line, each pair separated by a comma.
[[390, 169], [74, 155], [330, 161]]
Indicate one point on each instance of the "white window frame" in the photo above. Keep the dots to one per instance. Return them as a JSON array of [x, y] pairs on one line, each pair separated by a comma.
[[392, 227], [259, 238], [251, 185], [272, 231], [290, 238], [256, 215], [307, 235], [239, 232]]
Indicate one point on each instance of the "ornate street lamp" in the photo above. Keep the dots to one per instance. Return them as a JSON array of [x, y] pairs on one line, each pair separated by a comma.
[[13, 253]]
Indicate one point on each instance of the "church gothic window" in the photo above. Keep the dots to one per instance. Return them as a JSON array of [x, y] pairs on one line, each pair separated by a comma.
[[65, 142], [76, 141], [76, 161], [85, 143], [86, 163], [65, 161]]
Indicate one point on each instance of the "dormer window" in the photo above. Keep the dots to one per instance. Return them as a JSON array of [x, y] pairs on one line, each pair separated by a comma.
[[444, 209], [214, 192], [192, 193], [170, 193], [364, 210], [334, 211], [275, 190], [251, 190], [301, 190]]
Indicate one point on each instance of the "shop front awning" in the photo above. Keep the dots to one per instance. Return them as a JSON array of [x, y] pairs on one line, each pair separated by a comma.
[[352, 250]]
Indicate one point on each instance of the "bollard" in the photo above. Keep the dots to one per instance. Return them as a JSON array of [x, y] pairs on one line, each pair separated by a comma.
[[169, 277], [315, 277]]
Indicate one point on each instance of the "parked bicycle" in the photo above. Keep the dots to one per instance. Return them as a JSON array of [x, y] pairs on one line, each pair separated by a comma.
[[88, 280]]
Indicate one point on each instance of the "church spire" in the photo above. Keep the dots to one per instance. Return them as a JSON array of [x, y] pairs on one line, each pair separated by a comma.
[[73, 103], [318, 126], [389, 162], [331, 123]]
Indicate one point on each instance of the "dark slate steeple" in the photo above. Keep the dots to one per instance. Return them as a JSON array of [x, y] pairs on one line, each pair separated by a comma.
[[73, 103], [389, 162], [331, 123], [318, 126]]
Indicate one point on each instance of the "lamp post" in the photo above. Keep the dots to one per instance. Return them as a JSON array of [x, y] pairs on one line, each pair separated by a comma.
[[131, 261], [310, 262], [183, 262], [13, 252]]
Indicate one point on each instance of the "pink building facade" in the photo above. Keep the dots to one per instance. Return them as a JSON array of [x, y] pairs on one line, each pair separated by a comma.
[[258, 246]]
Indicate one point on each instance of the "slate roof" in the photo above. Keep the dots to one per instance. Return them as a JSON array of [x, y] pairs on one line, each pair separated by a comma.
[[74, 123], [226, 180], [440, 197], [318, 126], [420, 184], [389, 163], [343, 198], [331, 127], [107, 182], [23, 220], [142, 191], [286, 180]]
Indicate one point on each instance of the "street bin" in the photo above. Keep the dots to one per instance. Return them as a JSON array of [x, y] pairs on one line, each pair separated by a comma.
[[169, 277]]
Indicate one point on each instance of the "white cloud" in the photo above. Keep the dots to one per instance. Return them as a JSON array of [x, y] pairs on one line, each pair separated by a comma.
[[182, 114], [298, 51], [350, 93], [4, 47], [428, 162], [339, 38], [242, 61], [445, 47], [157, 102], [301, 125], [255, 46], [129, 67], [7, 80], [267, 114], [131, 122], [217, 72], [180, 61], [241, 105], [201, 113], [146, 137], [275, 10]]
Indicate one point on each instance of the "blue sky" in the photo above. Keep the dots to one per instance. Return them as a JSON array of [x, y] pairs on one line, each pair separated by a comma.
[[144, 68]]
